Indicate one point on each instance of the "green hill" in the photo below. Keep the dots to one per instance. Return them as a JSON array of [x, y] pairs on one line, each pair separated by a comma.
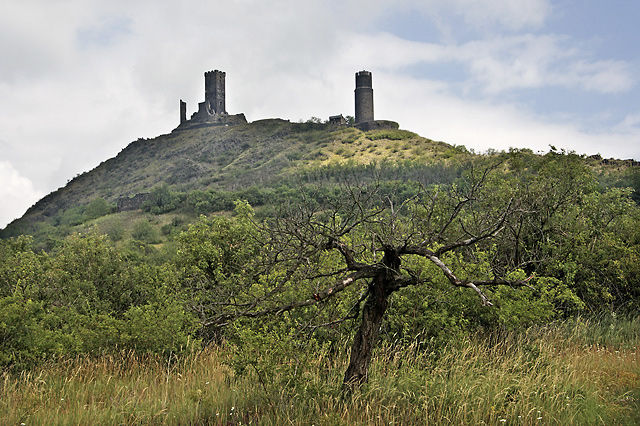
[[202, 169], [261, 155]]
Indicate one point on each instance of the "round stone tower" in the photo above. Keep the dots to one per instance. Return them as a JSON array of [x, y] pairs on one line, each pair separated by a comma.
[[214, 92], [364, 97]]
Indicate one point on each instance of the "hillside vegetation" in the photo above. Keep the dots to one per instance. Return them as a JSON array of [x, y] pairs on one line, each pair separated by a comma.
[[257, 156], [203, 170]]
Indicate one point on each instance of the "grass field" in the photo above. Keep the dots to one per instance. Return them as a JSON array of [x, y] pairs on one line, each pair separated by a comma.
[[577, 372]]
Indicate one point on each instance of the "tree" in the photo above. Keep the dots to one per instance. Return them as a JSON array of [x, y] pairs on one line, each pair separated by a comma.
[[364, 246], [96, 208]]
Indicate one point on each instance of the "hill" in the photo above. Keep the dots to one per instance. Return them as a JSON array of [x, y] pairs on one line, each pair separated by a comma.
[[225, 158], [202, 169]]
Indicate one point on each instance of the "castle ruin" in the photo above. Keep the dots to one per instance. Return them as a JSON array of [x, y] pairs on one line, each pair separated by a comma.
[[364, 97], [214, 96], [364, 119], [213, 110]]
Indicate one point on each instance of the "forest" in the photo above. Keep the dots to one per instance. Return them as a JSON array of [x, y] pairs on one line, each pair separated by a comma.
[[500, 289]]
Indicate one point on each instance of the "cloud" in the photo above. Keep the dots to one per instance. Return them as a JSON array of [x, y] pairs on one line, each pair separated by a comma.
[[430, 110], [83, 78], [496, 65], [534, 61], [457, 19], [509, 14], [16, 192], [104, 33]]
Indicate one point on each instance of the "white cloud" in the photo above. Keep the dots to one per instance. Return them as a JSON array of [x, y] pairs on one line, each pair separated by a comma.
[[425, 108], [16, 192], [530, 61], [486, 16], [501, 64], [83, 78], [509, 14]]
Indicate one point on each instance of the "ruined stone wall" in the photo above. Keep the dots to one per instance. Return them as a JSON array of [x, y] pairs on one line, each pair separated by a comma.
[[364, 97], [134, 203]]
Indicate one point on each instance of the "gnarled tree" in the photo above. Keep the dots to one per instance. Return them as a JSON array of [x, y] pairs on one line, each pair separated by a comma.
[[363, 242]]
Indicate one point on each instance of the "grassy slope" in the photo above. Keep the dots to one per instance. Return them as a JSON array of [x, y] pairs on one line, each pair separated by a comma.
[[226, 158], [260, 154]]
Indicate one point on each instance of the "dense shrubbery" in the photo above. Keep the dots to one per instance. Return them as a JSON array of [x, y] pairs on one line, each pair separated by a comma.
[[85, 297], [579, 242]]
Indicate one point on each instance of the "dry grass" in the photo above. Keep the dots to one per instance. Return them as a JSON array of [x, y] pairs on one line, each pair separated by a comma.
[[560, 375]]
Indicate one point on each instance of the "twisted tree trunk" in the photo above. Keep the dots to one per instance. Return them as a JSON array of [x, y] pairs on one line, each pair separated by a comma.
[[372, 315]]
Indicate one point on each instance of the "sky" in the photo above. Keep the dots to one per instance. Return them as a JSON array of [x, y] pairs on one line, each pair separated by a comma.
[[81, 79]]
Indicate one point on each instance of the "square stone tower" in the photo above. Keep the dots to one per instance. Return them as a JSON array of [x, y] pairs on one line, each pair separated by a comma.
[[214, 96]]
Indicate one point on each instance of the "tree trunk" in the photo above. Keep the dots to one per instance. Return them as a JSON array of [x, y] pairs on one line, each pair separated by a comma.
[[372, 315]]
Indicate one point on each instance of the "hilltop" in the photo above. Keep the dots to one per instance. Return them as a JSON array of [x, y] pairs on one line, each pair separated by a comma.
[[215, 157], [262, 154]]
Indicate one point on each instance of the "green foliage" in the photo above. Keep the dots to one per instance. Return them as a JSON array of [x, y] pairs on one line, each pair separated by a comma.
[[21, 270], [162, 200], [96, 208], [145, 232], [578, 244], [212, 259], [85, 297], [160, 326], [70, 217], [275, 353], [115, 230], [23, 336]]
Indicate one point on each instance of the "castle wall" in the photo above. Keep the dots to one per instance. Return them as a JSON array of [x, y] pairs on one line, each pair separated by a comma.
[[364, 97], [134, 203]]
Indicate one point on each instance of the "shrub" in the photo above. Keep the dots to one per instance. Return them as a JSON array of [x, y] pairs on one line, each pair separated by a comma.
[[145, 232]]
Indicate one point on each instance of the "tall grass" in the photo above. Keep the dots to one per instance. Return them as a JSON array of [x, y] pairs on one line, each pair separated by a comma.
[[577, 372]]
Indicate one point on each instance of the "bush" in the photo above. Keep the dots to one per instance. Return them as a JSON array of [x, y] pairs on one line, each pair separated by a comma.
[[145, 232], [159, 327], [97, 208], [162, 200]]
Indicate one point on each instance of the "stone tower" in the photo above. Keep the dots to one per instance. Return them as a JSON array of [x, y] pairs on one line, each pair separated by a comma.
[[364, 97], [214, 92], [183, 111], [213, 111]]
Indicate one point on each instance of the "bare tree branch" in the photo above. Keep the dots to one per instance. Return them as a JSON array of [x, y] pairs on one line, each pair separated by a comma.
[[315, 298]]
